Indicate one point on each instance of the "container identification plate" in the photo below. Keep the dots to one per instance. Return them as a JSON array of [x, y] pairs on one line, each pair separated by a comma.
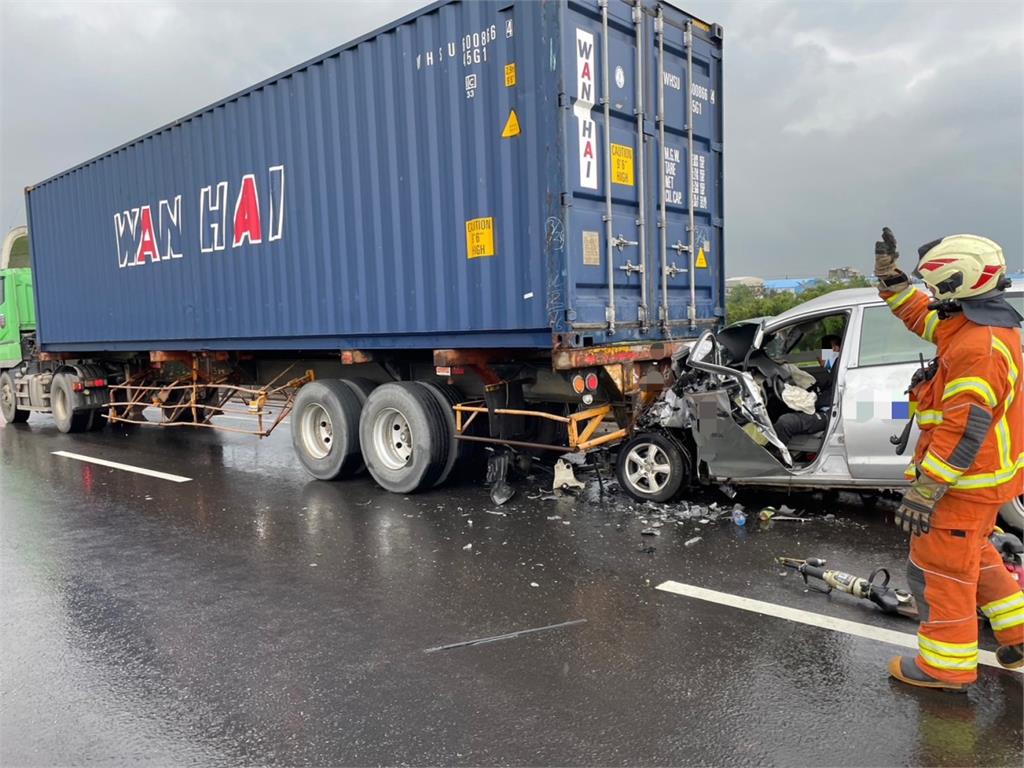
[[622, 165], [480, 237], [510, 75], [591, 249]]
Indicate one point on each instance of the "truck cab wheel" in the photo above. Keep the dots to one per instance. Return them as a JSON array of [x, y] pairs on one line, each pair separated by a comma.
[[62, 403], [325, 429], [8, 403], [652, 467], [404, 436]]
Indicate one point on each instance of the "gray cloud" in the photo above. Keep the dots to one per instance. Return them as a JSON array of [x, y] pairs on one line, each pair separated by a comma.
[[840, 117]]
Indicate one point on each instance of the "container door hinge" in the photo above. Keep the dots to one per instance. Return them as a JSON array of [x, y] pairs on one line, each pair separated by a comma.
[[609, 317], [566, 200], [563, 100]]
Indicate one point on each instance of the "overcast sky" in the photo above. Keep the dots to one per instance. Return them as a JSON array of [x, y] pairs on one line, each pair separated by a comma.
[[840, 116]]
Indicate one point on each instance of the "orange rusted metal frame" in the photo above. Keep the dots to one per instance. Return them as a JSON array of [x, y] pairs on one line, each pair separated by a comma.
[[356, 356], [254, 400], [189, 358], [592, 357], [579, 440]]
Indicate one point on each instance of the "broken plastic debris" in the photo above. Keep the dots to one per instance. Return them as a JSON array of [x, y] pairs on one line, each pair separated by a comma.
[[468, 546], [650, 532], [554, 517], [534, 584], [767, 513], [565, 479], [830, 516], [691, 542]]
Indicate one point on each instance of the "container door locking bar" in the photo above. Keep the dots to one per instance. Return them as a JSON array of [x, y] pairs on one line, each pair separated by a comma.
[[609, 312], [641, 222]]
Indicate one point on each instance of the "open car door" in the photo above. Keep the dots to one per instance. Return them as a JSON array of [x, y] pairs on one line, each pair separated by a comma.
[[732, 428]]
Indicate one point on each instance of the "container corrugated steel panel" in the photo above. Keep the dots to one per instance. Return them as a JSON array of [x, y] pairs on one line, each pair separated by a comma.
[[437, 183]]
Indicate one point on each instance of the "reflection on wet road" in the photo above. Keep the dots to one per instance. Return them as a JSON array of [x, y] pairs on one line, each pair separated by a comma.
[[252, 616]]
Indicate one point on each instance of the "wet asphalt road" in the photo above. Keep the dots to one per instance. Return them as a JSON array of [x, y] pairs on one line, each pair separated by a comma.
[[253, 616]]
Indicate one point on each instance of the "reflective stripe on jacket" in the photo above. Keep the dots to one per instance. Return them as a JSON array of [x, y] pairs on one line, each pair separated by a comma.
[[971, 413]]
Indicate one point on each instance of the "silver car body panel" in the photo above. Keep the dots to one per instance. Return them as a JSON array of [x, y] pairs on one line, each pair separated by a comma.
[[870, 405]]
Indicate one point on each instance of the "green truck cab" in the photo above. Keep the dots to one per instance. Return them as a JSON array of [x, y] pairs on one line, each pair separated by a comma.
[[17, 314], [17, 306]]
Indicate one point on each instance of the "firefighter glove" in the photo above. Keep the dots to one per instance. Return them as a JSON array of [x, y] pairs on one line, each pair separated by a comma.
[[915, 511], [886, 254]]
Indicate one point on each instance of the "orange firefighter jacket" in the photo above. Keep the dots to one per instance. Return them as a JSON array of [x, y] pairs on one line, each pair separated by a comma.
[[971, 412]]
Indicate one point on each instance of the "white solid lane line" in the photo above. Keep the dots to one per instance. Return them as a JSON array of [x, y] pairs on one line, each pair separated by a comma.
[[867, 631], [125, 467]]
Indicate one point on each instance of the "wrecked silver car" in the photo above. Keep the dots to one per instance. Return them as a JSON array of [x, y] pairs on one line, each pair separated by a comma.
[[718, 422]]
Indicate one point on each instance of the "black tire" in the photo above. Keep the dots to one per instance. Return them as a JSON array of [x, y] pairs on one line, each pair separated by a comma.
[[418, 453], [360, 387], [97, 420], [8, 404], [652, 467], [62, 403], [448, 396], [325, 429]]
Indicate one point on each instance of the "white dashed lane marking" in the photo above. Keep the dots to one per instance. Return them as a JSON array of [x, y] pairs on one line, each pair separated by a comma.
[[854, 628], [125, 467]]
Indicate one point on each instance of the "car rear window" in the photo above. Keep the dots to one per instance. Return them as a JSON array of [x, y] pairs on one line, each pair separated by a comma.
[[884, 340]]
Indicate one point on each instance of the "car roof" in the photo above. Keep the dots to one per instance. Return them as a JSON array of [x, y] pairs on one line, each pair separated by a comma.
[[845, 299], [836, 300]]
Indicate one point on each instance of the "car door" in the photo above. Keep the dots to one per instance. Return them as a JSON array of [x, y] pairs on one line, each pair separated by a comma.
[[875, 404]]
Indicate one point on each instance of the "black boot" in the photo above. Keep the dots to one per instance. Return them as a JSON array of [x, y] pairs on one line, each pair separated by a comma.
[[905, 669]]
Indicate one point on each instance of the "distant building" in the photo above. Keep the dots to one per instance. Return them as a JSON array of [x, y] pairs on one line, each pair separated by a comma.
[[791, 284], [756, 284], [843, 274]]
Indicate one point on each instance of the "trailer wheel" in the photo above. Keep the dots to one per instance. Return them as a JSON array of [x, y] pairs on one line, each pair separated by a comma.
[[458, 450], [8, 402], [652, 467], [404, 437], [325, 429], [360, 387]]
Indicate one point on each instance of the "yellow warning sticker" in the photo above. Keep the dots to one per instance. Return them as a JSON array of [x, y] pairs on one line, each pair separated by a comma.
[[510, 75], [622, 165], [702, 260], [479, 238], [511, 125]]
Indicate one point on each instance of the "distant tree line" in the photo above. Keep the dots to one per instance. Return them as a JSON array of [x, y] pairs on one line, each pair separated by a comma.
[[743, 302]]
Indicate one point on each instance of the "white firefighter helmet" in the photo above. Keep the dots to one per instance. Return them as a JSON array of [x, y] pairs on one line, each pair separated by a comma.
[[961, 266]]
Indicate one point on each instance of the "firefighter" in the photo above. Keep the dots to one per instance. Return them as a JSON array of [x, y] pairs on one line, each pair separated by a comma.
[[969, 459]]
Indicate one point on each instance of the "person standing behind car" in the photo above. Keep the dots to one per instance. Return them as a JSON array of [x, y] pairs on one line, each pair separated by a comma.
[[969, 459], [789, 425]]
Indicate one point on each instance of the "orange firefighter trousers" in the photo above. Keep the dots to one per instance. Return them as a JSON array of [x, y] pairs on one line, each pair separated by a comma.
[[954, 570]]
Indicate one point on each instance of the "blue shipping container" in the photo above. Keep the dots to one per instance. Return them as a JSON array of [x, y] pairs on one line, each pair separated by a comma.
[[454, 180]]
